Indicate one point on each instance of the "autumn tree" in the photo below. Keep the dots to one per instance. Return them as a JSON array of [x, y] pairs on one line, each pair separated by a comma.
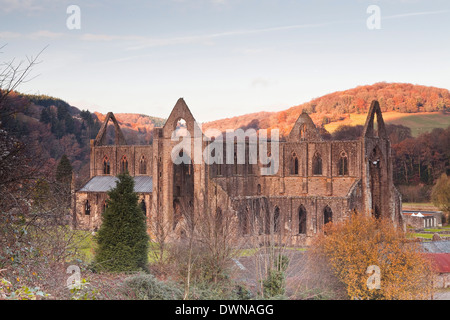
[[35, 240], [440, 194], [352, 246]]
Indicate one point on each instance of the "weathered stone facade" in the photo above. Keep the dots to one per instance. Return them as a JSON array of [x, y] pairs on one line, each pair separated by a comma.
[[317, 181]]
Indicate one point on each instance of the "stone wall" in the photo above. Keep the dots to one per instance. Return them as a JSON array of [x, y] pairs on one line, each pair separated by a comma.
[[91, 219]]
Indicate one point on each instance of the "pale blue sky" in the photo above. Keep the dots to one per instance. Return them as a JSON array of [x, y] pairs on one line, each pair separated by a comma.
[[224, 57]]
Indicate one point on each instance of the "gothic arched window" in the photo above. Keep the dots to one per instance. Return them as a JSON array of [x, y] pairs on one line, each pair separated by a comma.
[[301, 220], [105, 206], [143, 207], [106, 165], [302, 132], [142, 166], [343, 165], [276, 220], [123, 164], [327, 215], [294, 164], [87, 208], [317, 164]]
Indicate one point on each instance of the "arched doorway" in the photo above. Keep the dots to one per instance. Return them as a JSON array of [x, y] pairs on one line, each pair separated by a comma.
[[183, 187]]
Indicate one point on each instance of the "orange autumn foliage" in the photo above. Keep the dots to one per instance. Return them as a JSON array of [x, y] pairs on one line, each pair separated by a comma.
[[353, 245]]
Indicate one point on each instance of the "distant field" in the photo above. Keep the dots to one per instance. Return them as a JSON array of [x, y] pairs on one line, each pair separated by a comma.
[[418, 122], [419, 206]]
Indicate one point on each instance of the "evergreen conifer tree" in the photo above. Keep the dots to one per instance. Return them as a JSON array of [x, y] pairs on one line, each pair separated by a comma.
[[64, 170], [64, 179], [122, 238]]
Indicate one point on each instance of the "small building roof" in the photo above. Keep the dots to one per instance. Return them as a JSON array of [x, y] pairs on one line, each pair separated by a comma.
[[441, 246], [417, 214], [142, 184], [440, 261]]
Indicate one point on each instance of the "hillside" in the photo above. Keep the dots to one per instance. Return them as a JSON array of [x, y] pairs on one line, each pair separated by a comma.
[[137, 128], [418, 122], [420, 107], [52, 128], [58, 128]]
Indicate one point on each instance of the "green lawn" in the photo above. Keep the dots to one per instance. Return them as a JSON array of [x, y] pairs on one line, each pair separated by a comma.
[[86, 247], [418, 122], [446, 228], [252, 251], [428, 236]]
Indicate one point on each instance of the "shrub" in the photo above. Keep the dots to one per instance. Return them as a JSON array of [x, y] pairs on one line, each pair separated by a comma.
[[22, 293], [275, 283], [219, 291], [353, 245], [147, 287]]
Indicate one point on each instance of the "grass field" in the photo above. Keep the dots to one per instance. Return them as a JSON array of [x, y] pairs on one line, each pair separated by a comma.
[[429, 236], [418, 122], [424, 206]]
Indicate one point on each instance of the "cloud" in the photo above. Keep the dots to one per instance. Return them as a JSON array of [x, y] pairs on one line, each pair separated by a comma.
[[42, 34], [8, 6], [261, 83], [206, 38], [45, 34], [108, 37], [219, 2], [412, 14], [142, 42], [9, 35]]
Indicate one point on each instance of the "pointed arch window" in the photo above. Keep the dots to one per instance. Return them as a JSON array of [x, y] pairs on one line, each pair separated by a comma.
[[249, 165], [143, 165], [123, 164], [87, 208], [144, 207], [276, 220], [317, 164], [294, 164], [270, 164], [180, 128], [302, 132], [301, 220], [343, 164], [104, 206], [106, 165], [327, 215]]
